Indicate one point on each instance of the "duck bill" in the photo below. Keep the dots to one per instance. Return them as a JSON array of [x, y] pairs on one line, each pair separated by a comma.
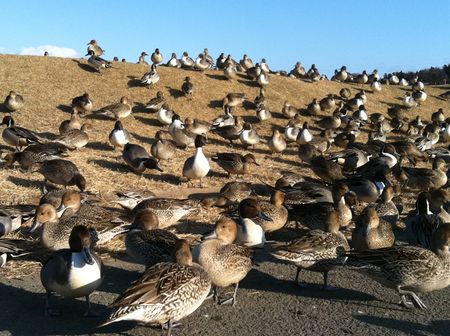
[[158, 167], [211, 235], [264, 216], [87, 255], [35, 225]]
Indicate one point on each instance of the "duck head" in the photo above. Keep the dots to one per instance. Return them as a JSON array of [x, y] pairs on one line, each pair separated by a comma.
[[145, 220], [80, 241], [70, 199], [44, 213], [249, 208]]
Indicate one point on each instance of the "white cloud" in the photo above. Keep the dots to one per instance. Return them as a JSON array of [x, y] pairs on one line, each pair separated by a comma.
[[52, 50]]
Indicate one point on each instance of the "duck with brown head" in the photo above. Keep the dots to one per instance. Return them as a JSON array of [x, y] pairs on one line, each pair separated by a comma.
[[250, 233]]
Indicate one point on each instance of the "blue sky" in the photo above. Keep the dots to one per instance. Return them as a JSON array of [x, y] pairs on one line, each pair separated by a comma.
[[388, 35]]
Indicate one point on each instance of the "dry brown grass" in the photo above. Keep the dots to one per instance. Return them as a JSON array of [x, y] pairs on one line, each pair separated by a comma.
[[46, 83]]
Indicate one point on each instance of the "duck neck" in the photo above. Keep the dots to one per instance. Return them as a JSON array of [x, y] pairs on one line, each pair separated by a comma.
[[392, 158]]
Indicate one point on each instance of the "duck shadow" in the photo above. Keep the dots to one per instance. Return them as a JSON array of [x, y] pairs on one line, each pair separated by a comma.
[[167, 178], [64, 108], [26, 183], [111, 165], [86, 67], [139, 108], [248, 105], [3, 108], [97, 116], [250, 119], [249, 83], [218, 77], [194, 227], [149, 121], [175, 93], [134, 82], [215, 104], [140, 138], [435, 327], [98, 145], [279, 115]]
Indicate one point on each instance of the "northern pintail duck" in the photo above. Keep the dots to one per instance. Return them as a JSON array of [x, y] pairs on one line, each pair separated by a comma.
[[330, 122], [254, 72], [142, 58], [425, 178], [151, 77], [291, 130], [345, 93], [208, 57], [174, 62], [341, 75], [28, 159], [196, 126], [73, 272], [94, 48], [119, 136], [186, 61], [182, 136], [18, 136], [75, 138], [157, 102], [83, 103], [385, 207], [367, 190], [317, 215], [263, 79], [393, 79], [421, 224], [263, 113], [419, 96], [418, 85], [438, 199], [202, 63], [298, 71], [288, 110], [408, 269], [234, 163], [229, 195], [383, 164], [118, 110], [138, 159], [304, 136], [73, 123], [162, 149], [230, 71], [248, 136], [151, 300], [156, 57], [146, 243], [409, 101], [438, 116], [361, 114], [9, 249], [233, 99], [313, 108], [13, 101], [62, 172], [375, 86], [165, 114], [327, 170], [168, 210], [249, 233], [197, 167], [221, 61], [372, 232], [225, 262], [327, 103], [188, 87], [304, 192], [374, 76], [275, 210], [98, 63], [231, 132], [351, 159], [276, 143], [225, 120], [246, 63], [362, 78], [316, 251]]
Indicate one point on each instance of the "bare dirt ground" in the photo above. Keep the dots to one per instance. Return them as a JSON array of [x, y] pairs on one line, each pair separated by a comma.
[[268, 302]]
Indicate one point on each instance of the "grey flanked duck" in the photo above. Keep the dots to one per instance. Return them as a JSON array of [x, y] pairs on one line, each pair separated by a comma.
[[157, 102], [248, 136], [150, 78], [83, 104], [327, 103], [62, 172], [409, 270], [73, 272], [119, 136], [288, 110], [142, 58], [372, 232], [174, 62], [186, 61], [18, 136], [316, 251], [151, 300], [138, 159], [13, 101], [156, 57], [233, 100], [276, 143], [386, 208], [234, 163], [425, 178], [313, 108], [249, 233], [75, 138], [225, 262], [146, 243], [9, 249], [246, 63], [98, 63], [197, 167], [231, 132], [118, 110], [327, 170]]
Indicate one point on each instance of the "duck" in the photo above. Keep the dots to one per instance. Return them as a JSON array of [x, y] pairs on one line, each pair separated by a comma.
[[202, 63], [367, 190], [62, 172], [246, 63], [18, 136], [410, 270], [151, 300], [230, 71], [327, 103], [362, 78], [264, 66], [248, 136], [156, 103], [263, 113], [383, 164], [277, 143], [231, 132], [418, 85], [233, 99], [118, 110], [11, 219], [254, 72], [249, 233], [165, 114], [372, 232], [345, 93], [291, 131], [439, 198], [361, 114], [119, 136], [208, 57], [236, 191], [288, 110], [221, 61], [438, 116], [424, 178], [318, 215], [419, 96], [374, 76], [341, 75], [73, 272], [13, 101], [263, 79], [188, 87], [375, 86], [197, 167], [393, 79], [150, 78], [94, 48], [73, 123], [156, 57], [75, 138], [182, 136], [327, 170], [146, 243], [83, 104], [386, 208], [316, 251], [98, 63], [174, 62], [304, 136], [351, 158], [9, 249], [186, 61], [304, 192], [142, 58], [138, 159], [330, 122], [313, 108], [162, 149], [275, 210], [409, 101], [197, 126], [225, 262], [234, 163], [421, 225], [298, 71], [28, 159]]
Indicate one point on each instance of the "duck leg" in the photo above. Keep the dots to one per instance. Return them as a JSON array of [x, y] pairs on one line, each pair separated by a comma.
[[325, 282], [169, 325], [47, 310], [416, 301], [90, 312], [231, 300]]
